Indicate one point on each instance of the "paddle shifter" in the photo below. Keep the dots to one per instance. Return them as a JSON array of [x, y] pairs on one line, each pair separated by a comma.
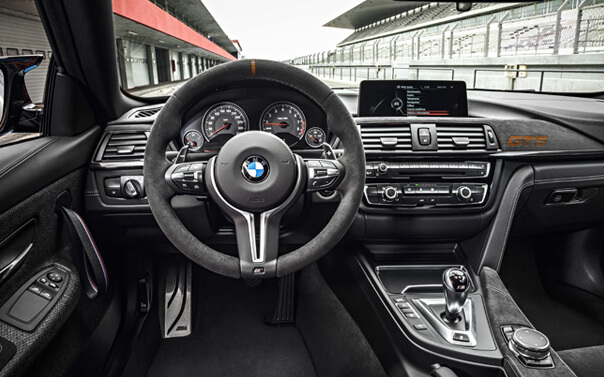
[[455, 287]]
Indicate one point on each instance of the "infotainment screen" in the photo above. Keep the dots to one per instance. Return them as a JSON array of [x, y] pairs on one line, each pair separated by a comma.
[[412, 98]]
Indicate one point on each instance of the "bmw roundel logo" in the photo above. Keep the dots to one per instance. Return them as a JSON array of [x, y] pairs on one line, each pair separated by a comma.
[[255, 169]]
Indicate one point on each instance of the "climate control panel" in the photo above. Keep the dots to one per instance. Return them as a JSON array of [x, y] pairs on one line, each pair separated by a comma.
[[425, 194]]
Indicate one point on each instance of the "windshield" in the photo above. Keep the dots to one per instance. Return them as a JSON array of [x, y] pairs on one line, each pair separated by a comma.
[[551, 46]]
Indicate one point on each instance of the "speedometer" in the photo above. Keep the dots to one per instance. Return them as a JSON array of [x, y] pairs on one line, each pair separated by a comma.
[[285, 120], [223, 121]]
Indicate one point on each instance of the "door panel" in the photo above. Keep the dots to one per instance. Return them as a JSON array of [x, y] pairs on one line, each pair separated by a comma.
[[27, 167], [33, 174]]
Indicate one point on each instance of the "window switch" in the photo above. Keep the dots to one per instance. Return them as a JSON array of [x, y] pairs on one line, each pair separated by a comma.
[[47, 295], [35, 289]]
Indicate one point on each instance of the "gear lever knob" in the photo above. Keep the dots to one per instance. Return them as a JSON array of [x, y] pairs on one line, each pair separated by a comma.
[[455, 287]]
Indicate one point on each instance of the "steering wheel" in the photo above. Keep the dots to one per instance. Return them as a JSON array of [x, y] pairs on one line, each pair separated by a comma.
[[255, 178]]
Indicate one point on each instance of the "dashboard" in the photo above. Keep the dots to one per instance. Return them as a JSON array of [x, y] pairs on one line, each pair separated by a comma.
[[439, 168], [224, 114]]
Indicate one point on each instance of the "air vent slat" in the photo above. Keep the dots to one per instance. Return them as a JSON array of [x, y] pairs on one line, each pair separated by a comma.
[[126, 146], [379, 139], [145, 113], [136, 136], [461, 134], [113, 143], [473, 137]]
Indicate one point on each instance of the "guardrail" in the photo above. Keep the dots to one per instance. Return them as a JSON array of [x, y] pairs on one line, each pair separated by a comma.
[[336, 72], [535, 79], [541, 73]]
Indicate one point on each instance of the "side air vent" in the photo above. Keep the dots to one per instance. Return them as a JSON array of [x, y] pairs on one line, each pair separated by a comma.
[[461, 137], [384, 138], [125, 146], [146, 113]]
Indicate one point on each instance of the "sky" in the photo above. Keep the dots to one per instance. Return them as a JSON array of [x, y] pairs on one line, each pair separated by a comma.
[[281, 29]]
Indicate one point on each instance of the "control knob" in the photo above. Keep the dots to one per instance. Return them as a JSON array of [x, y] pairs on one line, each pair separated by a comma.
[[390, 193], [132, 189], [530, 343], [383, 168], [464, 193]]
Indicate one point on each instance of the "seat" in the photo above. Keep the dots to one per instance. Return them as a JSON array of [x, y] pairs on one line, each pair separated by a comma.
[[585, 362]]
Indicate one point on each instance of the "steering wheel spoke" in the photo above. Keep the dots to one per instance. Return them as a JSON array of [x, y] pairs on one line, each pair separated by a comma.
[[257, 234], [323, 174], [186, 178]]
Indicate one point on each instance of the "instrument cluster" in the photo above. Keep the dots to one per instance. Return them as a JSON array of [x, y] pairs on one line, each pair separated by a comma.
[[295, 120]]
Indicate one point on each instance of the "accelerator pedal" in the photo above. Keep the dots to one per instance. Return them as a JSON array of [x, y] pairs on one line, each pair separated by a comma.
[[285, 311], [175, 299]]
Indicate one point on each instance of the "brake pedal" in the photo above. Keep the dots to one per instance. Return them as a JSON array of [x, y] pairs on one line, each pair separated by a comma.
[[175, 302], [285, 310]]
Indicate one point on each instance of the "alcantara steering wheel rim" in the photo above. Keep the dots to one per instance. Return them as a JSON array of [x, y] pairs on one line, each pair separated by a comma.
[[168, 124]]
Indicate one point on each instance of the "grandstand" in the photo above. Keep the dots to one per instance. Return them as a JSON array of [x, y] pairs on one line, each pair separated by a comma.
[[434, 40]]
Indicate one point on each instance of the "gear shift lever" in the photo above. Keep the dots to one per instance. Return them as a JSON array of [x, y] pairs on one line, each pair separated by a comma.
[[455, 287]]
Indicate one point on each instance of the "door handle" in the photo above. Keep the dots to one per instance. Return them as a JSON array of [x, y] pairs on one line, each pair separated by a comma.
[[14, 249]]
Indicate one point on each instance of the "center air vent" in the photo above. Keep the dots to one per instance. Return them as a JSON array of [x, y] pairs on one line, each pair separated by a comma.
[[461, 137], [384, 138], [125, 146]]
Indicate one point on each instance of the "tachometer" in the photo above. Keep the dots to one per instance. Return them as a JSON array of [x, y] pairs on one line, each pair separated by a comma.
[[285, 120], [223, 121]]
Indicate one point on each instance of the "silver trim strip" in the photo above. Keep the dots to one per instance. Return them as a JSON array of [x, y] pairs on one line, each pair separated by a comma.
[[116, 165], [6, 271], [249, 217], [425, 307]]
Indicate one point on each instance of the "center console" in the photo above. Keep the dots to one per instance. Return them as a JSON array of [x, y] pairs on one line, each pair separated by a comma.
[[434, 182]]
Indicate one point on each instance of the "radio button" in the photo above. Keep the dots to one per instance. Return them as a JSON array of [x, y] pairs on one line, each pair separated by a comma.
[[443, 190], [445, 200], [409, 200]]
